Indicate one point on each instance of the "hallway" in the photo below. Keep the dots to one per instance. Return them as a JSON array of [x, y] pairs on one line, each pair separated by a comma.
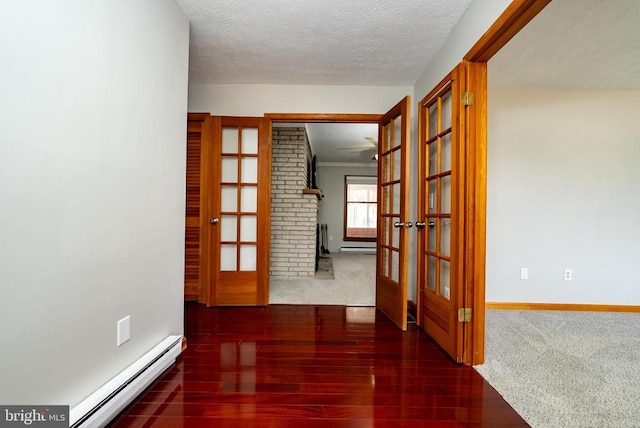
[[327, 366]]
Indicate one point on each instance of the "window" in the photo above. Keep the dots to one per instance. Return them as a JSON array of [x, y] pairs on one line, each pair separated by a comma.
[[360, 208]]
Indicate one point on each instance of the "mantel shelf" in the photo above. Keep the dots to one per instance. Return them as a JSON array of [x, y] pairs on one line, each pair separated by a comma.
[[316, 192]]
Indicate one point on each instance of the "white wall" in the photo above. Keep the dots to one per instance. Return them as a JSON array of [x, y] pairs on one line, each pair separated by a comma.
[[563, 174], [480, 15], [92, 155], [256, 100], [331, 208]]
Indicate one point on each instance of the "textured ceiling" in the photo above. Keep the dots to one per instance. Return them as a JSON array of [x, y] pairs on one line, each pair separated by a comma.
[[574, 44], [323, 42]]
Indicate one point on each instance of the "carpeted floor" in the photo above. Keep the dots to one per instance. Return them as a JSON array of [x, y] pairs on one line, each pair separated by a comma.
[[354, 284], [566, 369]]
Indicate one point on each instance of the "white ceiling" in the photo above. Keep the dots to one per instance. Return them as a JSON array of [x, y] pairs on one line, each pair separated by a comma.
[[320, 42], [574, 44]]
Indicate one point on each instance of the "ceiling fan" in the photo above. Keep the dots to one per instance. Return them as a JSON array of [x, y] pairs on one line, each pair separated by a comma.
[[369, 151]]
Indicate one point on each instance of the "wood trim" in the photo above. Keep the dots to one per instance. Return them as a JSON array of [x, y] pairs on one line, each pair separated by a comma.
[[476, 212], [574, 307], [316, 192], [205, 210], [184, 343], [323, 117], [508, 24], [213, 247], [265, 133]]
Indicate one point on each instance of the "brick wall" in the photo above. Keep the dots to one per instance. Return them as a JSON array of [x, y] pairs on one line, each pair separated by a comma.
[[293, 215]]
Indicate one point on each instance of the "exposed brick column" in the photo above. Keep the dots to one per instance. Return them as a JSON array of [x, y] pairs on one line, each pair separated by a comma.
[[294, 215]]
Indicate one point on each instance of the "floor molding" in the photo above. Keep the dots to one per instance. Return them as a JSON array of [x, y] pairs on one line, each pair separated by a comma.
[[561, 307]]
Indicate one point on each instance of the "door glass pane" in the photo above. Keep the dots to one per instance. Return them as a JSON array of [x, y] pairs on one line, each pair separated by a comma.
[[250, 141], [228, 257], [395, 241], [228, 228], [397, 164], [444, 279], [446, 111], [431, 234], [433, 119], [229, 196], [250, 170], [431, 273], [396, 198], [446, 195], [386, 199], [386, 168], [395, 266], [397, 131], [229, 140], [385, 231], [445, 236], [248, 228], [433, 158], [446, 153], [432, 198], [249, 196], [248, 257], [229, 169], [387, 138]]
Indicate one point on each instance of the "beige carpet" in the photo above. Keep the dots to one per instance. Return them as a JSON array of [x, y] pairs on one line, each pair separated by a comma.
[[354, 284], [566, 369]]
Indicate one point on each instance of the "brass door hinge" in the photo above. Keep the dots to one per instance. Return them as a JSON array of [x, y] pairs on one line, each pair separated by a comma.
[[468, 98], [464, 315]]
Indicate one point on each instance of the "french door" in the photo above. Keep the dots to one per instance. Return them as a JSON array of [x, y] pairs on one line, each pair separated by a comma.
[[441, 207], [239, 211], [393, 221]]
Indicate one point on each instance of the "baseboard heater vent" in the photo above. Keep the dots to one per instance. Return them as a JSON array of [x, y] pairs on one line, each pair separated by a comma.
[[360, 250], [104, 404]]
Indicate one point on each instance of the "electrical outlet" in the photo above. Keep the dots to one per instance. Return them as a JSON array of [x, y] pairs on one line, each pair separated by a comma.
[[568, 274], [524, 273], [330, 237], [124, 330]]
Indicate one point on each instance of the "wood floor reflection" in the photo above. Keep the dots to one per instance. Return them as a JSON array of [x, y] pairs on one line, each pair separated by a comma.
[[313, 366]]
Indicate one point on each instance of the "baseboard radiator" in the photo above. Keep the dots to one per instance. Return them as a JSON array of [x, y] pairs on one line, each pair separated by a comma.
[[360, 250], [108, 401]]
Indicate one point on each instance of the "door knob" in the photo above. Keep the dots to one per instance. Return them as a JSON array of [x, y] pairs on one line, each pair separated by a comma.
[[399, 224], [214, 220], [420, 224], [432, 224]]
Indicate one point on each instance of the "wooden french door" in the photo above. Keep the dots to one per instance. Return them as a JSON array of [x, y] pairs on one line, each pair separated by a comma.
[[239, 211], [441, 208], [393, 221]]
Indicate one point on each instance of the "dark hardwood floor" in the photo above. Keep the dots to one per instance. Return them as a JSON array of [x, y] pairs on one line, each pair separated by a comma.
[[306, 366]]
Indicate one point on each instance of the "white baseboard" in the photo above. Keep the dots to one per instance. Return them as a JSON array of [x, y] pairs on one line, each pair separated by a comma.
[[359, 250], [108, 401]]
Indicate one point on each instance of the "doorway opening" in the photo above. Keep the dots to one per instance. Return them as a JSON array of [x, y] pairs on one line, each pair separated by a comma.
[[312, 261]]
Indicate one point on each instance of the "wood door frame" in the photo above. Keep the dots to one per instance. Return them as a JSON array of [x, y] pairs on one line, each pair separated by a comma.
[[320, 118], [514, 18]]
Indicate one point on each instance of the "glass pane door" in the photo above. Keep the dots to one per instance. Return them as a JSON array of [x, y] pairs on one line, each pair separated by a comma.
[[438, 182], [239, 199]]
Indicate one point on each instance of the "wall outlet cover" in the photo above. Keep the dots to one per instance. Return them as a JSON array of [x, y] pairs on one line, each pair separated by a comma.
[[124, 330]]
